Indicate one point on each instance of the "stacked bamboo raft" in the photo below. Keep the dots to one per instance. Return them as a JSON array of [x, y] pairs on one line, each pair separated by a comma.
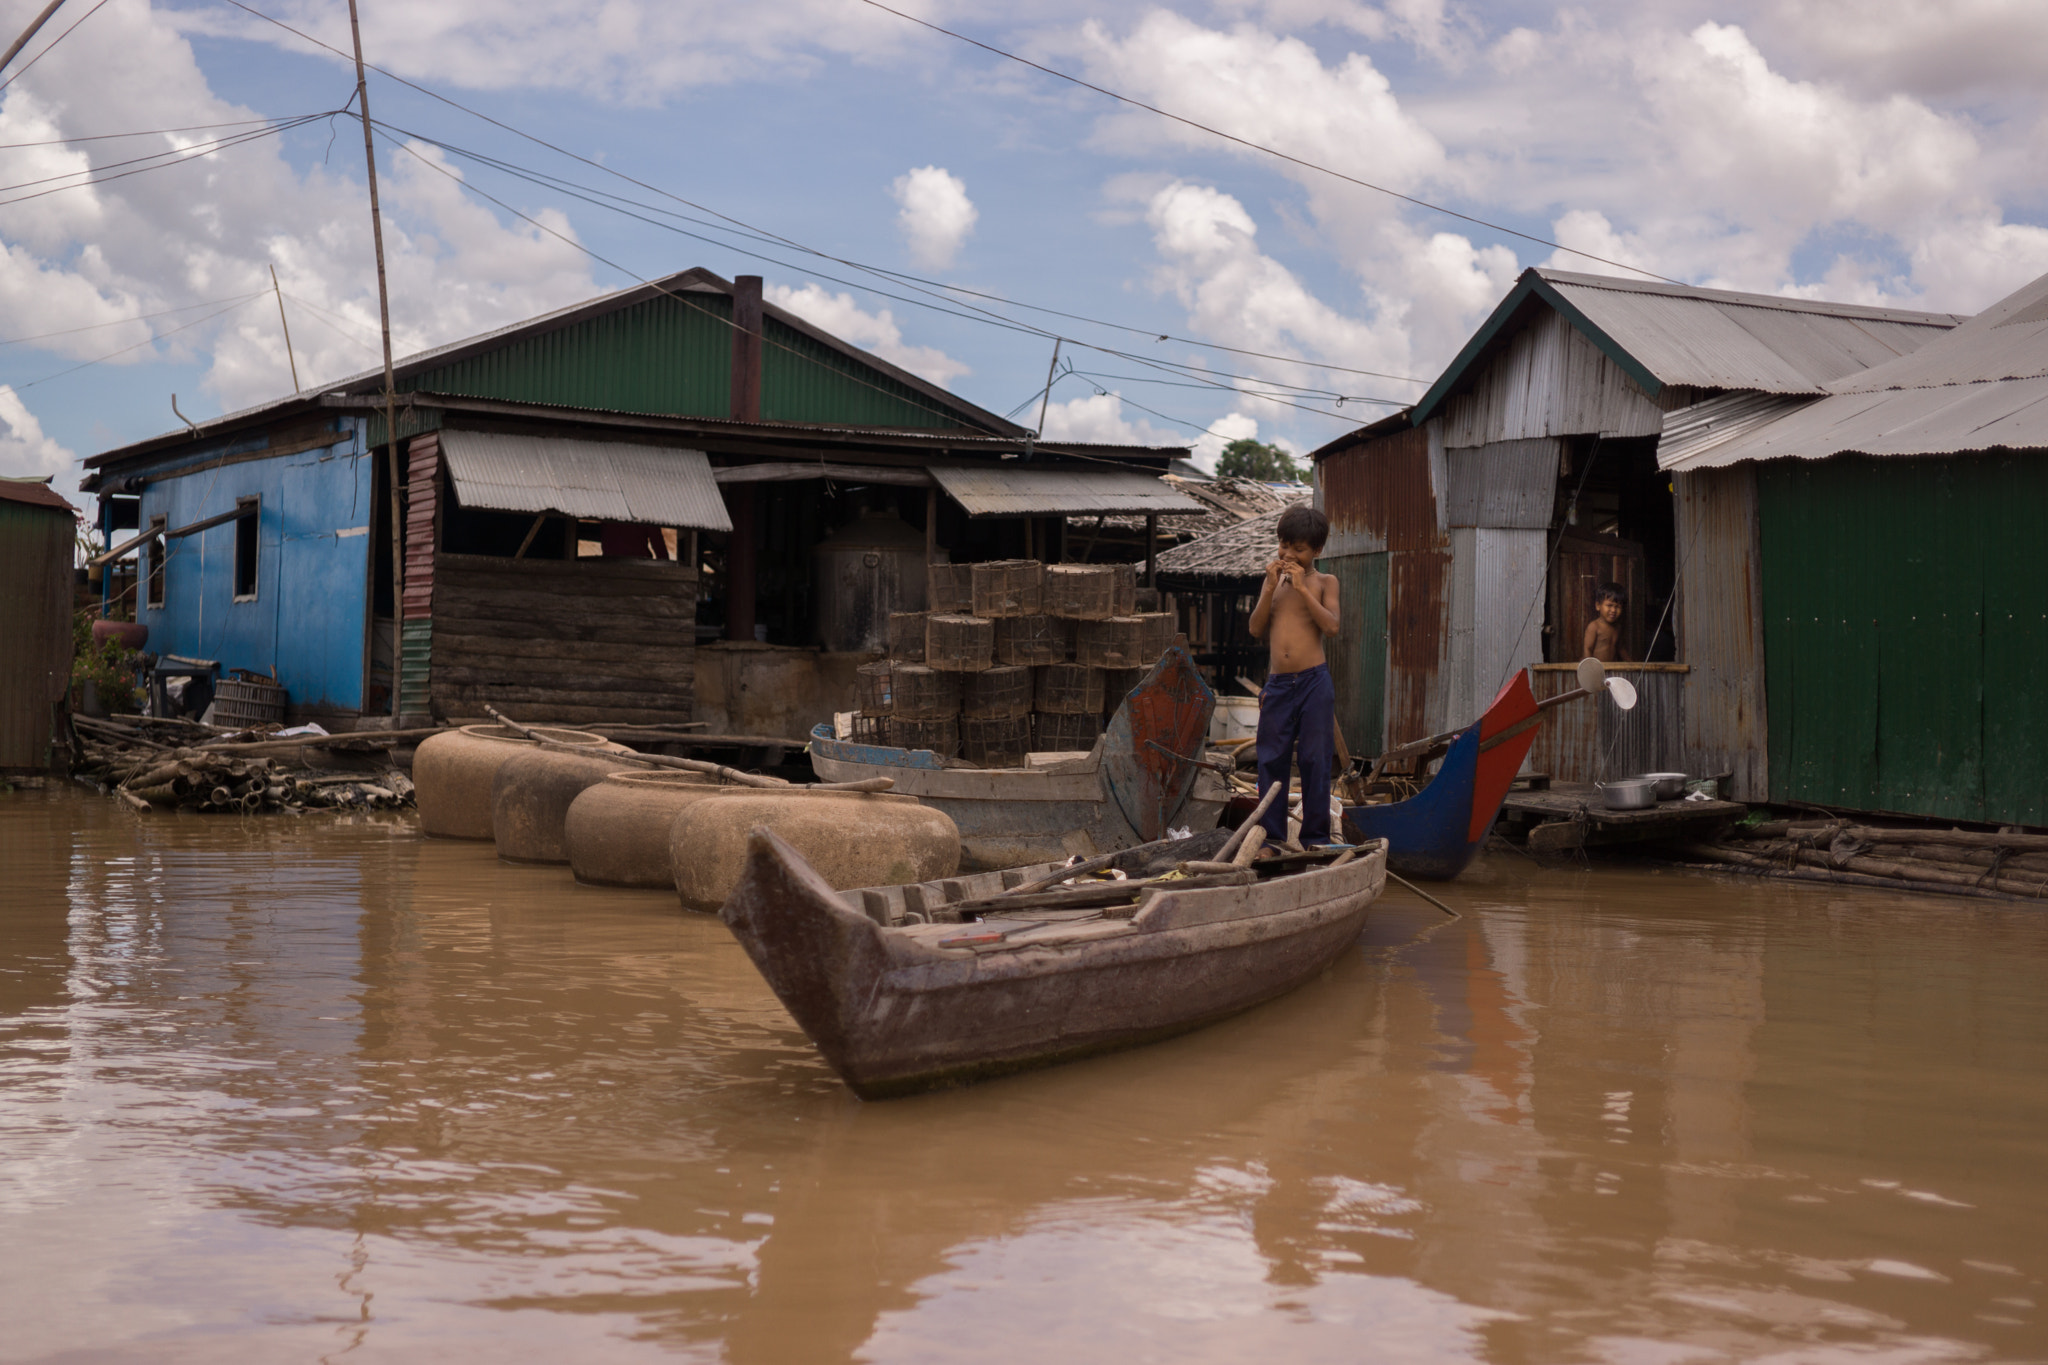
[[1013, 656], [178, 765], [1943, 861]]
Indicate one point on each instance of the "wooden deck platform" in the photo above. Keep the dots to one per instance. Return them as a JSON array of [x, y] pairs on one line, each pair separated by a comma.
[[1569, 815]]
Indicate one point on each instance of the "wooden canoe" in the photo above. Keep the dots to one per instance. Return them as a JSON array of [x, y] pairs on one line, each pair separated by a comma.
[[902, 991], [1131, 788], [1435, 833]]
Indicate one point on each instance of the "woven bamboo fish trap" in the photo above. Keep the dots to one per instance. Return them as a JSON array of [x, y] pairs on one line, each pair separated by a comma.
[[1118, 642], [906, 636], [871, 688], [950, 587], [1156, 630], [870, 730], [1032, 640], [1126, 589], [1081, 592], [1069, 690], [942, 737], [959, 644], [1055, 733], [920, 693], [1001, 691], [1116, 685], [999, 742], [1008, 587]]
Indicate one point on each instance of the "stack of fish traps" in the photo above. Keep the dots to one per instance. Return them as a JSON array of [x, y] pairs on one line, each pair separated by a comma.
[[1013, 657]]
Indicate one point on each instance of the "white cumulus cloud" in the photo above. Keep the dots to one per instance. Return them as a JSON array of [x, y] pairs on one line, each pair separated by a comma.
[[23, 447], [876, 332], [936, 216]]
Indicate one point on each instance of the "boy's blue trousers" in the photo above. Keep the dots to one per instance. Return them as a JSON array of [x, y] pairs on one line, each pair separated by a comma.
[[1297, 719]]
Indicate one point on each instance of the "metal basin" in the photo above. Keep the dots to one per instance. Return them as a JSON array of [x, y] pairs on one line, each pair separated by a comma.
[[1670, 786], [1630, 793]]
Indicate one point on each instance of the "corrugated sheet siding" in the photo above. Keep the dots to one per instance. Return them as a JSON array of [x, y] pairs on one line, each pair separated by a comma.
[[1378, 496], [1721, 629], [1906, 634], [1594, 740], [1358, 656], [35, 621], [1507, 609], [1418, 638], [1506, 484], [664, 356], [1549, 380], [803, 380]]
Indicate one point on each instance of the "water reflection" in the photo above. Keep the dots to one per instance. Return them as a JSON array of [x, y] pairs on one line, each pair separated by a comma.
[[277, 1088]]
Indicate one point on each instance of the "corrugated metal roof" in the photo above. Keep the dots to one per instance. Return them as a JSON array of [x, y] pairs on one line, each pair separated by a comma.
[[595, 479], [1050, 491], [1982, 386], [34, 492], [1691, 431]]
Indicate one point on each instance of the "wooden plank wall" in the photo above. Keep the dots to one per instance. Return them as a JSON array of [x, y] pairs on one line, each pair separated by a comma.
[[35, 620], [416, 611], [583, 641]]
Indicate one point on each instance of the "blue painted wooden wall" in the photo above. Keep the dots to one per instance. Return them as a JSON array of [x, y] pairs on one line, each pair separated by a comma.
[[312, 575]]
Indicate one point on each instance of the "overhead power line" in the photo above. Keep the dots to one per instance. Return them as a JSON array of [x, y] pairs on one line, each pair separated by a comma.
[[140, 344], [1289, 157], [141, 132], [799, 246], [52, 43], [122, 322], [92, 175]]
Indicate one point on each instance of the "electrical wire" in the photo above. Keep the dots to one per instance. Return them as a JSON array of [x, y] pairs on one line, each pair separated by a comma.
[[153, 156], [334, 321], [23, 69], [1262, 147], [177, 158], [122, 322], [18, 388], [790, 242], [144, 132]]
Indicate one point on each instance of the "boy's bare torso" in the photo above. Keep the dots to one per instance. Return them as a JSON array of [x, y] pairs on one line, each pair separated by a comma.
[[1297, 608], [1603, 641]]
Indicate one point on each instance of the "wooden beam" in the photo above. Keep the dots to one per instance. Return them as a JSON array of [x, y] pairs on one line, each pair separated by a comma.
[[792, 471]]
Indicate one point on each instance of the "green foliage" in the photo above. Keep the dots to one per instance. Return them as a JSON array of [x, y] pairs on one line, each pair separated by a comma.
[[1250, 459], [105, 663]]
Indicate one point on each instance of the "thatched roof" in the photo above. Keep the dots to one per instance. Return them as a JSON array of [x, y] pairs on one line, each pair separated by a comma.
[[1229, 501], [1239, 552]]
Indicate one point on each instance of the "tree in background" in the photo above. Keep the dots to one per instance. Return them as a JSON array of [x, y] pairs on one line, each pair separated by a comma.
[[1250, 459]]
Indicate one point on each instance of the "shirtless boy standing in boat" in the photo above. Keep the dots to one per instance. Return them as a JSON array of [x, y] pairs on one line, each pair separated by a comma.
[[1298, 705]]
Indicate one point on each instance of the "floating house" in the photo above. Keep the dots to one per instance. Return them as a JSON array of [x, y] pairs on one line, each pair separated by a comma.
[[1865, 584], [38, 540], [1472, 532], [673, 502]]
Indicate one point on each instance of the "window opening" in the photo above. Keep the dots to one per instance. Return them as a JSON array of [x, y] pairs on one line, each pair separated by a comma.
[[246, 524], [154, 548]]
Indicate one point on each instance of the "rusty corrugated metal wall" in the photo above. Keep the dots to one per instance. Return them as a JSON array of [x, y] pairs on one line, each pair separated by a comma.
[[1721, 628], [35, 620]]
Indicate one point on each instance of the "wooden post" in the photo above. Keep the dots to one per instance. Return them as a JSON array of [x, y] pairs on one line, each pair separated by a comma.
[[931, 525], [1152, 550], [739, 563]]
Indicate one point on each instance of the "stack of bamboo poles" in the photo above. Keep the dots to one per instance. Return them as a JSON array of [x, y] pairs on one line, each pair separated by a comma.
[[166, 765], [1944, 861]]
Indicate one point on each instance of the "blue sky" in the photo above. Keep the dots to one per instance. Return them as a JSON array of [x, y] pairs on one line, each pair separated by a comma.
[[1888, 151]]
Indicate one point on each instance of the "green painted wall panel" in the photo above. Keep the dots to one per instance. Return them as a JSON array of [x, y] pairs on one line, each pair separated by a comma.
[[1358, 656], [661, 356], [1904, 605], [803, 380]]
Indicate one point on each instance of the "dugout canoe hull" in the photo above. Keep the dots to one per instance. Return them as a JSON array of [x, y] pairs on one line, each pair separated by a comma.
[[907, 1007]]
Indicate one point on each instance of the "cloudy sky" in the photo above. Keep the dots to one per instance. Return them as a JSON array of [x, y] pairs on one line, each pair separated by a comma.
[[1867, 150]]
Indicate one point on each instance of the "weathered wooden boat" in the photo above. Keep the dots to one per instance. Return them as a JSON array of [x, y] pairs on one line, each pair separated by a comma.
[[1435, 833], [1132, 787], [916, 987]]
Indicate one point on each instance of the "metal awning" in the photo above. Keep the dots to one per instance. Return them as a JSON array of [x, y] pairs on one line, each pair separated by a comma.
[[601, 480], [1058, 491]]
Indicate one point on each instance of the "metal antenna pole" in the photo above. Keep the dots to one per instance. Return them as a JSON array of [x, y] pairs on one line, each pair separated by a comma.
[[1045, 398], [287, 330], [390, 382], [29, 32]]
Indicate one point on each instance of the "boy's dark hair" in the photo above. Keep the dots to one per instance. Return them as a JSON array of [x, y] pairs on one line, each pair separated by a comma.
[[1612, 590], [1302, 524]]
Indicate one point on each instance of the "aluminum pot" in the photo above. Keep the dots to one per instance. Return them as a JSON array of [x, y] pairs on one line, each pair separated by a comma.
[[1670, 786], [1631, 793]]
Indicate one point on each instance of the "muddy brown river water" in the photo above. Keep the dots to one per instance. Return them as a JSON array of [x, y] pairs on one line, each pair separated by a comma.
[[298, 1090]]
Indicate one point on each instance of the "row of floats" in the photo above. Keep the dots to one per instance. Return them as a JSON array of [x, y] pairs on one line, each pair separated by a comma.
[[580, 800]]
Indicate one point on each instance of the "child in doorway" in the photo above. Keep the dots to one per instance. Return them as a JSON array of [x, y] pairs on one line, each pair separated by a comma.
[[1298, 706], [1603, 632]]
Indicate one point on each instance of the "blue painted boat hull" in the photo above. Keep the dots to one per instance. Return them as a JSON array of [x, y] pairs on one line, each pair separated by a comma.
[[1426, 834]]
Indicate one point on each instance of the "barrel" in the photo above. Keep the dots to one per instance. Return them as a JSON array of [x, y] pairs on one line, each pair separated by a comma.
[[850, 838], [616, 832], [452, 774]]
